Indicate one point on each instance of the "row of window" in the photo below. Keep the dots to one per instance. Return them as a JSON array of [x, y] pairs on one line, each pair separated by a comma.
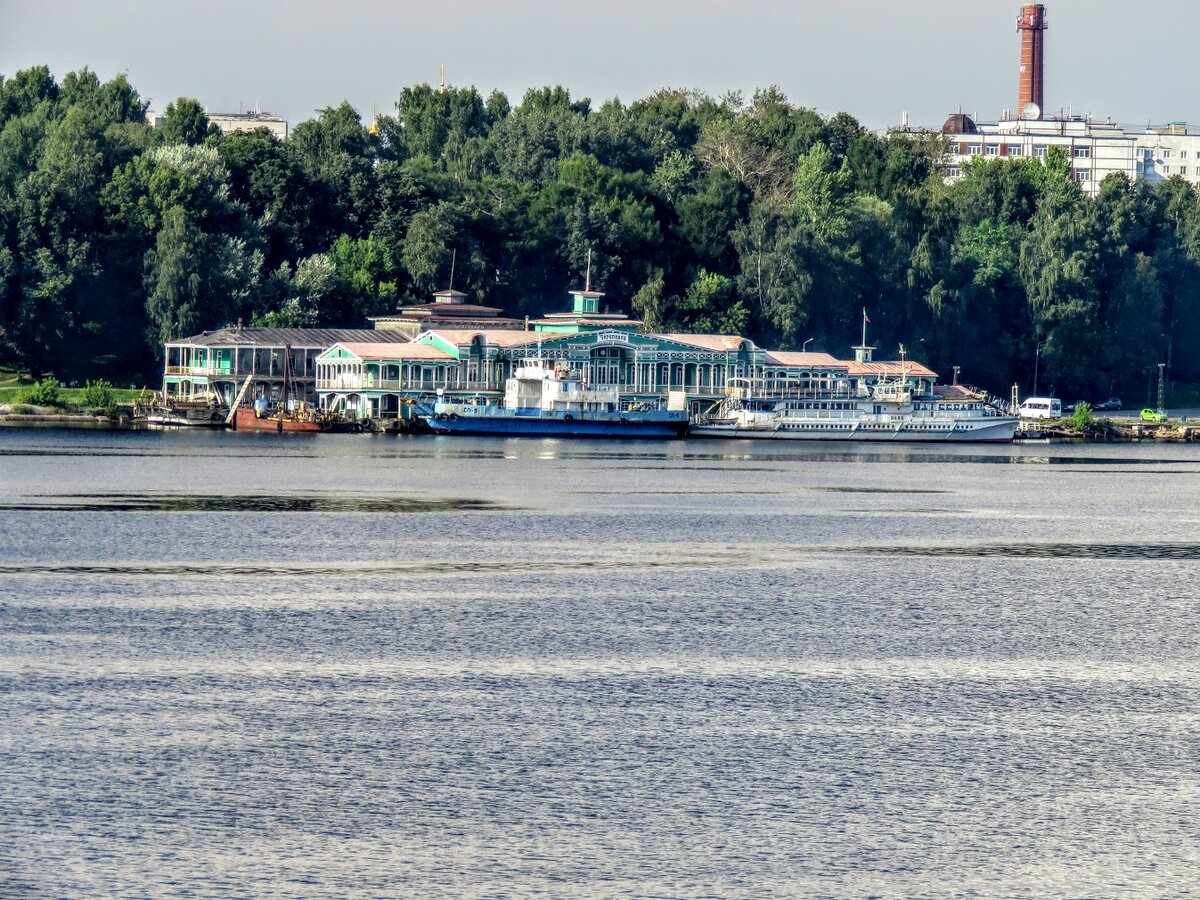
[[1079, 174], [1039, 150]]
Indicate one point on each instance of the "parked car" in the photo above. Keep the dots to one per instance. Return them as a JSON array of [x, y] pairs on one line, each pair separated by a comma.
[[1072, 406], [1152, 415], [1112, 403]]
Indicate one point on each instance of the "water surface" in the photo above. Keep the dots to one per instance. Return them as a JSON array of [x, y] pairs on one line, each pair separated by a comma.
[[277, 666]]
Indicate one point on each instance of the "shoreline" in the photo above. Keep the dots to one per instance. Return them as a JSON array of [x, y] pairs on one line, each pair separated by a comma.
[[1118, 433]]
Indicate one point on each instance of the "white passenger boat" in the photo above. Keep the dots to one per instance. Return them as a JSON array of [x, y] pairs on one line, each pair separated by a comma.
[[888, 410]]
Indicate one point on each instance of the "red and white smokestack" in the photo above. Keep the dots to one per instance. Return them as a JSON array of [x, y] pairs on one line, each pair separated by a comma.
[[1031, 25]]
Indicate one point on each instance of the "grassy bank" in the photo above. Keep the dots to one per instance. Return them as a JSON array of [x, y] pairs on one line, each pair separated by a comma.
[[21, 393]]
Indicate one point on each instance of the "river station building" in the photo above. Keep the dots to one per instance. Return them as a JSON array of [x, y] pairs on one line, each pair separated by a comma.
[[466, 356]]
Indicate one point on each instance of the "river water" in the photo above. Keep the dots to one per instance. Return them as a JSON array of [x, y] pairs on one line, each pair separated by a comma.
[[363, 666]]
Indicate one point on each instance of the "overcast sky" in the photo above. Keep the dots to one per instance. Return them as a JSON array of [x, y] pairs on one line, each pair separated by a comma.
[[872, 58]]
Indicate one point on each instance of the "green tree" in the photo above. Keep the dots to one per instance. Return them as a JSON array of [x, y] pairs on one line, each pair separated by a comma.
[[185, 122]]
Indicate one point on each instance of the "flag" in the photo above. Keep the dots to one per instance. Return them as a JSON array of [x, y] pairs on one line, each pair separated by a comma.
[[865, 319]]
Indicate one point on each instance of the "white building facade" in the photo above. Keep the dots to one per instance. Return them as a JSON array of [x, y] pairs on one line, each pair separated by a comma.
[[1095, 149]]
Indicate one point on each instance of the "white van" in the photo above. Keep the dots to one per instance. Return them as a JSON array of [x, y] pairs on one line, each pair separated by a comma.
[[1041, 408]]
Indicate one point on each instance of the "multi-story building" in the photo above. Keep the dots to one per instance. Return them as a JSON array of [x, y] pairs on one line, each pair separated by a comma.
[[250, 121], [240, 121], [1094, 149], [213, 365]]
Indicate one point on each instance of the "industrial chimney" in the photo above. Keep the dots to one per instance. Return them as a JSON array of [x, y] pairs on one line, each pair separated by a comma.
[[1031, 25]]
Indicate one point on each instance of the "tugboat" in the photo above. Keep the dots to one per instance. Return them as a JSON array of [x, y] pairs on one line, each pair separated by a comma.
[[545, 398]]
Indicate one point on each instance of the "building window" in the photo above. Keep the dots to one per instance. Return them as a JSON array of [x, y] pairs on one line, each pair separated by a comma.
[[973, 149], [1083, 152], [1015, 150], [1166, 154], [1183, 154], [1183, 170], [991, 150], [1083, 174], [1039, 150], [954, 172], [1166, 170]]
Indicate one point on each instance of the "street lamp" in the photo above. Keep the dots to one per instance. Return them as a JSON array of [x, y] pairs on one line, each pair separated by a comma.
[[804, 346], [1037, 358]]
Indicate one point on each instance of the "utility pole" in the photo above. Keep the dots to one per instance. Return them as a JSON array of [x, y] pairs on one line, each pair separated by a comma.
[[1162, 396]]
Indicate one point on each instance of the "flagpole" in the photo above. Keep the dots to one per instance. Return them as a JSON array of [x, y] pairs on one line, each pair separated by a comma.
[[864, 327]]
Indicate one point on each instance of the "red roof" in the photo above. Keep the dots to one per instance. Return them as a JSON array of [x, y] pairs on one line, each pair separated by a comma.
[[890, 368], [496, 337], [804, 360], [709, 341], [396, 351]]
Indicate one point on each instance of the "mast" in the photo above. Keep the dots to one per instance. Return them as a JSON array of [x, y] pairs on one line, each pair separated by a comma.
[[287, 377]]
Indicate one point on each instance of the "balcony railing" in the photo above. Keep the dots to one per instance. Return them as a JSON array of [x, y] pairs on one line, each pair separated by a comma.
[[200, 370], [368, 383]]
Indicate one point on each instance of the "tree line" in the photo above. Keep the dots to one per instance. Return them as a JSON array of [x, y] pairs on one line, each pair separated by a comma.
[[733, 214]]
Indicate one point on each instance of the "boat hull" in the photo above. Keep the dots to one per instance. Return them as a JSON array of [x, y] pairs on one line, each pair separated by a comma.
[[532, 426], [245, 420], [999, 431]]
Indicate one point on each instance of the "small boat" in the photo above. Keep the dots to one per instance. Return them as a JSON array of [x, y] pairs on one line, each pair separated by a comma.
[[546, 398], [183, 414]]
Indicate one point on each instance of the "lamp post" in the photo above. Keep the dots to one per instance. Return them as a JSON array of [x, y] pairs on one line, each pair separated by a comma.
[[804, 346], [1037, 359]]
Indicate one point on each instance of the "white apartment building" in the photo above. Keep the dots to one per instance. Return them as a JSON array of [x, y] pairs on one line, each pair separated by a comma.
[[240, 121], [249, 121], [1095, 149]]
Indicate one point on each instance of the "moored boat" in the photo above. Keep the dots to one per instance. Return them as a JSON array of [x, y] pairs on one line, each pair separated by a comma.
[[548, 399], [892, 408], [260, 417]]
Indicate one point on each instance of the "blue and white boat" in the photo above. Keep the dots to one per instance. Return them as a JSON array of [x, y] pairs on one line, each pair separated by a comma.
[[546, 398]]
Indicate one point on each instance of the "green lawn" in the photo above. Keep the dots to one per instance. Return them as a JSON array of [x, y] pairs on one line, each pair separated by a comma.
[[15, 388]]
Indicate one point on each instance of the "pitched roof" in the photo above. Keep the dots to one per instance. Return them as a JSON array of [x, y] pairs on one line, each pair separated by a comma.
[[891, 368], [590, 321], [396, 351], [496, 337], [955, 392], [282, 337], [418, 310], [803, 360], [709, 341]]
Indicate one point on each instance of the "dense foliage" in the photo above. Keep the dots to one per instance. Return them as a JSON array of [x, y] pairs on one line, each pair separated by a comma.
[[731, 215]]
